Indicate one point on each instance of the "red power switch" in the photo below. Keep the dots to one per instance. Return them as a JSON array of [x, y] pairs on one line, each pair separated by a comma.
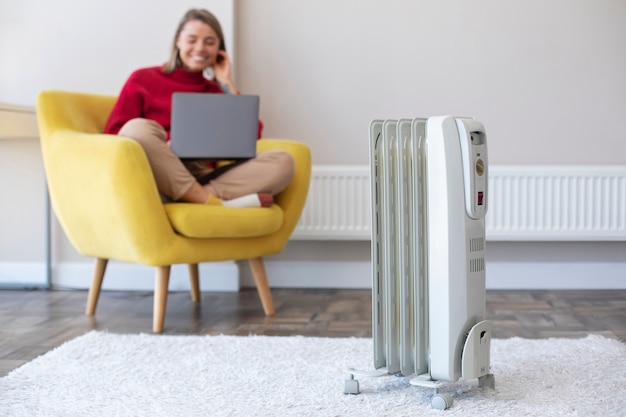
[[480, 198]]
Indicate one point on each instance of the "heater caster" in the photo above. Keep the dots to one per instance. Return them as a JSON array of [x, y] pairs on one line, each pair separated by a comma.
[[441, 401], [351, 386]]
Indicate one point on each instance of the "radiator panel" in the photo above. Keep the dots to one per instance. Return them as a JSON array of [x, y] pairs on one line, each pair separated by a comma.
[[526, 203], [557, 203], [338, 204]]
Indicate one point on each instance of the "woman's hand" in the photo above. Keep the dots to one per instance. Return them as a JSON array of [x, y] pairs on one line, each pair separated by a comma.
[[222, 72]]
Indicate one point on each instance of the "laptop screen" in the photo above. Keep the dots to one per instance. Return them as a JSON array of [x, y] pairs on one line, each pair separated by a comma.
[[214, 126]]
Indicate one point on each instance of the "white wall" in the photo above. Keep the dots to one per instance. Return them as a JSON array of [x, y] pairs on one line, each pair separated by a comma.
[[547, 78], [89, 46]]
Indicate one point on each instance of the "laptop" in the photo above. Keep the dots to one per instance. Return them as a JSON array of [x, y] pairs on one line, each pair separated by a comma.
[[214, 126]]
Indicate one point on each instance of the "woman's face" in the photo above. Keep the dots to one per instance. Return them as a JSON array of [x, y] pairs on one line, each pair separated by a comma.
[[198, 45]]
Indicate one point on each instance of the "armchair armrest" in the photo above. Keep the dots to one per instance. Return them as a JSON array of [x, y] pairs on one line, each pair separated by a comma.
[[103, 192], [293, 198]]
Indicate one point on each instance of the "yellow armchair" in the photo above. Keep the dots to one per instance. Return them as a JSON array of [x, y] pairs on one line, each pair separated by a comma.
[[104, 195]]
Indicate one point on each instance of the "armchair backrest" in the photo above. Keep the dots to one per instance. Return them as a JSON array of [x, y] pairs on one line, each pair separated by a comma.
[[74, 111]]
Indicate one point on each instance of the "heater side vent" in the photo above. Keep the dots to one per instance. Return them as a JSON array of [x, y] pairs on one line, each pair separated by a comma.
[[477, 244], [477, 265]]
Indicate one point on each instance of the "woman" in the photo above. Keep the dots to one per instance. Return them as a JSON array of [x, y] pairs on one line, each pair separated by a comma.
[[143, 110]]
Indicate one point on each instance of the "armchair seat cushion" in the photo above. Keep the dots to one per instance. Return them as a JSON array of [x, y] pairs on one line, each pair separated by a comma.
[[203, 221]]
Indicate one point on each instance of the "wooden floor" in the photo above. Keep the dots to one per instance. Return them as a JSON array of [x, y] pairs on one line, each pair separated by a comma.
[[33, 322]]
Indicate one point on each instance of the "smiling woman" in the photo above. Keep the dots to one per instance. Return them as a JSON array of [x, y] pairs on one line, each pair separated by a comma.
[[199, 43], [198, 46], [143, 112]]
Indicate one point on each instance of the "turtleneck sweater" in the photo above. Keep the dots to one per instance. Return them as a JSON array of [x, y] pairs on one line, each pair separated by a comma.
[[148, 94]]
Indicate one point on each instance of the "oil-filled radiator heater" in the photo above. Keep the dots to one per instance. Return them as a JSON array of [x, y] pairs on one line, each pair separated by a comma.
[[429, 198]]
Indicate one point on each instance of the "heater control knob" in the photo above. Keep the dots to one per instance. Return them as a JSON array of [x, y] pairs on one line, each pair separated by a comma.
[[480, 167]]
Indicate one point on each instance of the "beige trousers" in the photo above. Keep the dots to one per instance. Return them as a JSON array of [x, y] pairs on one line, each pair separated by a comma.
[[269, 172]]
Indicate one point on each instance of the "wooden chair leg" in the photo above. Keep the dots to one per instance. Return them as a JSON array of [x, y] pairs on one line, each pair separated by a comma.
[[260, 278], [194, 282], [99, 267], [161, 285]]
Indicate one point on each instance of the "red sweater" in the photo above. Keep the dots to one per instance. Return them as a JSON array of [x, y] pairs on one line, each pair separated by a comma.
[[148, 94]]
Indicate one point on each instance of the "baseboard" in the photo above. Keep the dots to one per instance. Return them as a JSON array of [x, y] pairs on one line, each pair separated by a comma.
[[556, 275], [500, 275], [286, 274], [227, 276], [216, 276], [22, 274]]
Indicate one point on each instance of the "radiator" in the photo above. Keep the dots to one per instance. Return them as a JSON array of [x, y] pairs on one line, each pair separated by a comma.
[[526, 203], [429, 199], [338, 204], [557, 203]]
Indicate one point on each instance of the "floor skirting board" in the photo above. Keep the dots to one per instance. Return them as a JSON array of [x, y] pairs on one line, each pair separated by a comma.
[[216, 276], [22, 274], [230, 276], [500, 275], [556, 275]]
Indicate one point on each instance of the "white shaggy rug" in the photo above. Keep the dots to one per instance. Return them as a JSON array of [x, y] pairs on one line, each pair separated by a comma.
[[103, 374]]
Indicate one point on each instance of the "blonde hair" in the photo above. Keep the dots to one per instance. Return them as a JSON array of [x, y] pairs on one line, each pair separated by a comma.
[[194, 14]]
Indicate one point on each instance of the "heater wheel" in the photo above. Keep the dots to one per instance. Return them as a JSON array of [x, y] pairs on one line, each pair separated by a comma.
[[441, 401]]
